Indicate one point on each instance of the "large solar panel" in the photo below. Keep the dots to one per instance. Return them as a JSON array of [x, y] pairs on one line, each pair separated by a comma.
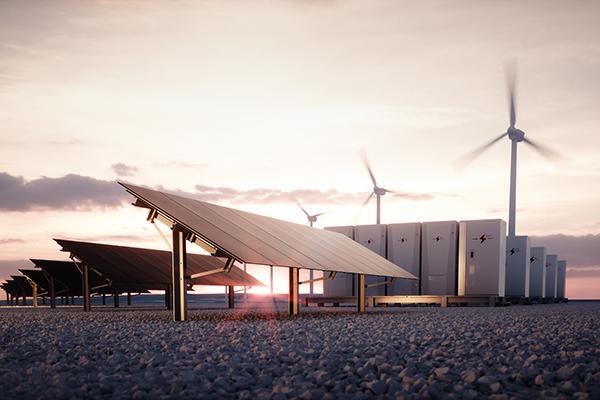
[[257, 239], [151, 268], [23, 285]]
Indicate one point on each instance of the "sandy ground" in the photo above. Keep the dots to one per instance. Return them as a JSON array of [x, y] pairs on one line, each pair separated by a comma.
[[550, 351]]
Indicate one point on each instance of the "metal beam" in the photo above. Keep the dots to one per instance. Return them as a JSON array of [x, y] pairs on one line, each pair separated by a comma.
[[331, 275], [128, 298], [226, 268], [179, 269], [293, 297], [386, 282], [103, 299], [85, 279], [230, 297], [360, 293], [34, 294]]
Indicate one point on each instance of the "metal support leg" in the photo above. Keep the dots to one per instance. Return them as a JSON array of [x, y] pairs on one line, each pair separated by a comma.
[[230, 297], [34, 294], [85, 279], [271, 278], [52, 293], [62, 300], [128, 298], [293, 300], [24, 299], [116, 300], [103, 299], [179, 269], [72, 299], [169, 297], [311, 285], [360, 293]]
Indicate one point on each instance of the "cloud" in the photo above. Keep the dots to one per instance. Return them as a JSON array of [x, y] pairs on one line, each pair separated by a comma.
[[70, 192], [582, 253], [124, 170], [11, 241], [181, 164], [269, 196]]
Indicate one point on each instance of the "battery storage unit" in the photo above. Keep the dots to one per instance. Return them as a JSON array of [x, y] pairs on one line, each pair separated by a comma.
[[439, 245], [561, 277], [343, 284], [537, 272], [373, 237], [551, 264], [404, 250], [482, 258], [517, 266]]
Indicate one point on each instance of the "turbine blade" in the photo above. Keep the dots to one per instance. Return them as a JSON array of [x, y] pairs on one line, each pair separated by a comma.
[[387, 190], [319, 214], [472, 155], [367, 200], [302, 208], [543, 150], [511, 80], [365, 161]]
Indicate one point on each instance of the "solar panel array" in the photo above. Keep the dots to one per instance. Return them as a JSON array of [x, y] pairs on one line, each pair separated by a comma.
[[151, 269]]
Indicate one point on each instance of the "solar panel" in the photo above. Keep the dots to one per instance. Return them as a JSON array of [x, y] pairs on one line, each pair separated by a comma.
[[38, 277], [22, 283], [67, 277], [151, 269], [256, 239]]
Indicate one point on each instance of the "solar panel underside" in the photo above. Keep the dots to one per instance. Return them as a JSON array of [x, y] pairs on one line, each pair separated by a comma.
[[67, 278], [23, 284], [257, 239], [37, 277], [152, 268]]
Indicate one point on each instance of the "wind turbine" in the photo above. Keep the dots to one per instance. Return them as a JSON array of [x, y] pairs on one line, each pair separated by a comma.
[[311, 218], [377, 190], [516, 136]]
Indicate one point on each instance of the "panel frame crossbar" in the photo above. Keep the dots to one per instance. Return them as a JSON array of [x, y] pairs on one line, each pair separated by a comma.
[[226, 268], [376, 284], [331, 275]]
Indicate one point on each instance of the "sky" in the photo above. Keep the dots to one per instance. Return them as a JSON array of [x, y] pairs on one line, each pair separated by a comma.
[[249, 104]]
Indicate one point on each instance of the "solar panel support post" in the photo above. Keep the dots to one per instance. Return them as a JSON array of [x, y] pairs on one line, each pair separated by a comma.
[[230, 296], [103, 299], [311, 286], [73, 297], [128, 298], [52, 292], [293, 297], [360, 293], [85, 279], [179, 272], [169, 297], [34, 294], [116, 300], [271, 278]]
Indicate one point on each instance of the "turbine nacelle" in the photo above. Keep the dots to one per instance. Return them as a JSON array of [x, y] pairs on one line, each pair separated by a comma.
[[379, 191], [515, 134]]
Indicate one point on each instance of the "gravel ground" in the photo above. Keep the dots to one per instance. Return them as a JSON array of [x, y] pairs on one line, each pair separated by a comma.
[[547, 351]]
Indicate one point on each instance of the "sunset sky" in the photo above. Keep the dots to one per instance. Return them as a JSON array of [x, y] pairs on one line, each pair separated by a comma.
[[246, 103]]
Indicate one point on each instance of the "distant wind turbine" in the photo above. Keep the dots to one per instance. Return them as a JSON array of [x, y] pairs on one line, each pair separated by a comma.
[[377, 190], [515, 135], [311, 218]]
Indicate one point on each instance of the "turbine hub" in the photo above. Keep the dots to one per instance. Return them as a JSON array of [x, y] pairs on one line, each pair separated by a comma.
[[379, 191], [312, 218], [515, 134]]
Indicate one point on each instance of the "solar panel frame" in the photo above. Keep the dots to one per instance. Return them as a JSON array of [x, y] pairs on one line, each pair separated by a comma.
[[257, 239]]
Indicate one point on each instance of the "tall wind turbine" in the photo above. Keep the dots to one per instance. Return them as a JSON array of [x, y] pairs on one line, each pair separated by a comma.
[[377, 190], [311, 218], [516, 136]]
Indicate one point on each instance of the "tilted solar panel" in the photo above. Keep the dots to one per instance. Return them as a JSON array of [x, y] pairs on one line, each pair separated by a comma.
[[151, 268], [257, 239]]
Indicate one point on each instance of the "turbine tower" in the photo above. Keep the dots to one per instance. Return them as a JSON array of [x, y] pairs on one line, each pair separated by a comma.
[[377, 190], [516, 136]]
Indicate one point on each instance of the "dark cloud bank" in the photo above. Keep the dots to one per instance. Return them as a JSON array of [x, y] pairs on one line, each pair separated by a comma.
[[77, 192]]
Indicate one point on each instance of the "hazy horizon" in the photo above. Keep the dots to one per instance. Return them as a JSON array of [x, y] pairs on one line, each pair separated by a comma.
[[251, 103]]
